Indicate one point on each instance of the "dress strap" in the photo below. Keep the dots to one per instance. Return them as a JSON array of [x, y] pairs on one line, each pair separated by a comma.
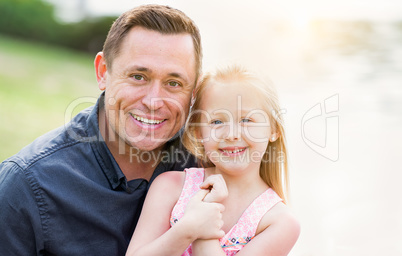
[[194, 178], [244, 230]]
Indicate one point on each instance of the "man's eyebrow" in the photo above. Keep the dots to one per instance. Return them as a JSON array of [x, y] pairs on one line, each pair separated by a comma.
[[142, 69], [138, 68], [145, 69], [178, 75]]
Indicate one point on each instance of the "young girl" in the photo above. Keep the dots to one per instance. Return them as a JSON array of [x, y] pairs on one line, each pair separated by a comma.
[[234, 130]]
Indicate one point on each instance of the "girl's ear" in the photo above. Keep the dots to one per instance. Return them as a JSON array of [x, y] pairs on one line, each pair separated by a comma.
[[100, 69], [274, 137]]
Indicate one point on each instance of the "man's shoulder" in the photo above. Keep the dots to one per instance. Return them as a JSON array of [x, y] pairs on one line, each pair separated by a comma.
[[48, 144]]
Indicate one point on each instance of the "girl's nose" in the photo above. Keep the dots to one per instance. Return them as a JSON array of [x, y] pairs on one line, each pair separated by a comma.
[[233, 132]]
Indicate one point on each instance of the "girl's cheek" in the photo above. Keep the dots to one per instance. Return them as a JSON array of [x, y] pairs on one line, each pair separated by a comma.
[[257, 134]]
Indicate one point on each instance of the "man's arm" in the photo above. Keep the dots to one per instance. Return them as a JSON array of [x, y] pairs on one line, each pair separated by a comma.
[[153, 235], [20, 222]]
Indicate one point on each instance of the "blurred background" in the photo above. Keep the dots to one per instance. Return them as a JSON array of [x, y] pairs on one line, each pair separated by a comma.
[[337, 66]]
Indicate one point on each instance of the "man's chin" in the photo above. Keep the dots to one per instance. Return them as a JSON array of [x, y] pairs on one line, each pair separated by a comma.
[[148, 145]]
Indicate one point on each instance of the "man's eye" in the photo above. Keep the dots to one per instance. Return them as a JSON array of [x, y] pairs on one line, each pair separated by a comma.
[[173, 84], [138, 77], [246, 120]]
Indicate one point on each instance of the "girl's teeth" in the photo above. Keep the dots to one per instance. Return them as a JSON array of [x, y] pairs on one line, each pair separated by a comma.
[[234, 151]]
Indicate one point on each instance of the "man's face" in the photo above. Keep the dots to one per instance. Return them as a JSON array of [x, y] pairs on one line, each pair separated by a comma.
[[148, 91]]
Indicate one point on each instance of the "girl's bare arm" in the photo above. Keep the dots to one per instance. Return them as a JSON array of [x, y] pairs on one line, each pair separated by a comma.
[[153, 235]]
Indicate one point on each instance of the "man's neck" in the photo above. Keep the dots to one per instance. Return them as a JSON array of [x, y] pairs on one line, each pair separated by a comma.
[[136, 164]]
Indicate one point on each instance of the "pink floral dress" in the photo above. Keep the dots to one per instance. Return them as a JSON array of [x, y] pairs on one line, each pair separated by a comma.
[[243, 231]]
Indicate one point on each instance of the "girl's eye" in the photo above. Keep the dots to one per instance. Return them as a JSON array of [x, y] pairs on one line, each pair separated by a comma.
[[246, 120], [173, 84], [138, 77], [216, 122]]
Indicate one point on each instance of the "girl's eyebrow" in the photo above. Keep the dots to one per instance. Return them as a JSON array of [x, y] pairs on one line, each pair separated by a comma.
[[247, 110]]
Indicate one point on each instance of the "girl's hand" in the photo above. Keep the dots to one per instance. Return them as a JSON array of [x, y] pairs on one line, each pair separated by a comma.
[[203, 220], [217, 189]]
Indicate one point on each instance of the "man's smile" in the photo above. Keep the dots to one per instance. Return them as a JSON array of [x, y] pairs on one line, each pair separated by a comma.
[[146, 120]]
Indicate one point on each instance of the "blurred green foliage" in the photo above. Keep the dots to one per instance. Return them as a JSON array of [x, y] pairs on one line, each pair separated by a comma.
[[40, 79], [38, 83], [86, 35], [34, 20], [27, 18]]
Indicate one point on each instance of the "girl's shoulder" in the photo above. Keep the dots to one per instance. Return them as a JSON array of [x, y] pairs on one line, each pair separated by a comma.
[[176, 179], [170, 178], [276, 234], [280, 216], [169, 183]]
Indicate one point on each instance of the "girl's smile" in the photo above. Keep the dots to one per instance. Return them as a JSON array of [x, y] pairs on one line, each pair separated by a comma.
[[232, 151]]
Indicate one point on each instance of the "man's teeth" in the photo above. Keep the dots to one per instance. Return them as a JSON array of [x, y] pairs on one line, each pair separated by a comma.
[[147, 121], [234, 151]]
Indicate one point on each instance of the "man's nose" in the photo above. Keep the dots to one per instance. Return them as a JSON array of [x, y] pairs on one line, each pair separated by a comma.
[[154, 98]]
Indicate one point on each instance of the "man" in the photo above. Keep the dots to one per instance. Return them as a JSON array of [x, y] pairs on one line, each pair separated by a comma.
[[79, 189]]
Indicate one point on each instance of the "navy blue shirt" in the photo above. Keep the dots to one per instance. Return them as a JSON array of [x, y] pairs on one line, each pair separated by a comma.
[[64, 194]]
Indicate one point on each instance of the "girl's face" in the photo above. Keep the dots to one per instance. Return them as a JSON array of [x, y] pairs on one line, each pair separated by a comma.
[[234, 128]]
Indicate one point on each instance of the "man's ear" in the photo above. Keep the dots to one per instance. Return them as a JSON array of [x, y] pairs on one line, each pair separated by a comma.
[[193, 97], [197, 84], [100, 69]]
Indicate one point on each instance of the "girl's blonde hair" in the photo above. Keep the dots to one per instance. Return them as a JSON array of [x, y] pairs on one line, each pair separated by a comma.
[[274, 167]]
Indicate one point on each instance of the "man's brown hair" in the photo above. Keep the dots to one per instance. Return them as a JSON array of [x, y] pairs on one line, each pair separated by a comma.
[[160, 18]]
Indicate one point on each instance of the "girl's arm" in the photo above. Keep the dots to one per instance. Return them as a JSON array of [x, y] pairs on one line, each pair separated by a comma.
[[278, 238], [218, 192], [208, 247], [153, 235]]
